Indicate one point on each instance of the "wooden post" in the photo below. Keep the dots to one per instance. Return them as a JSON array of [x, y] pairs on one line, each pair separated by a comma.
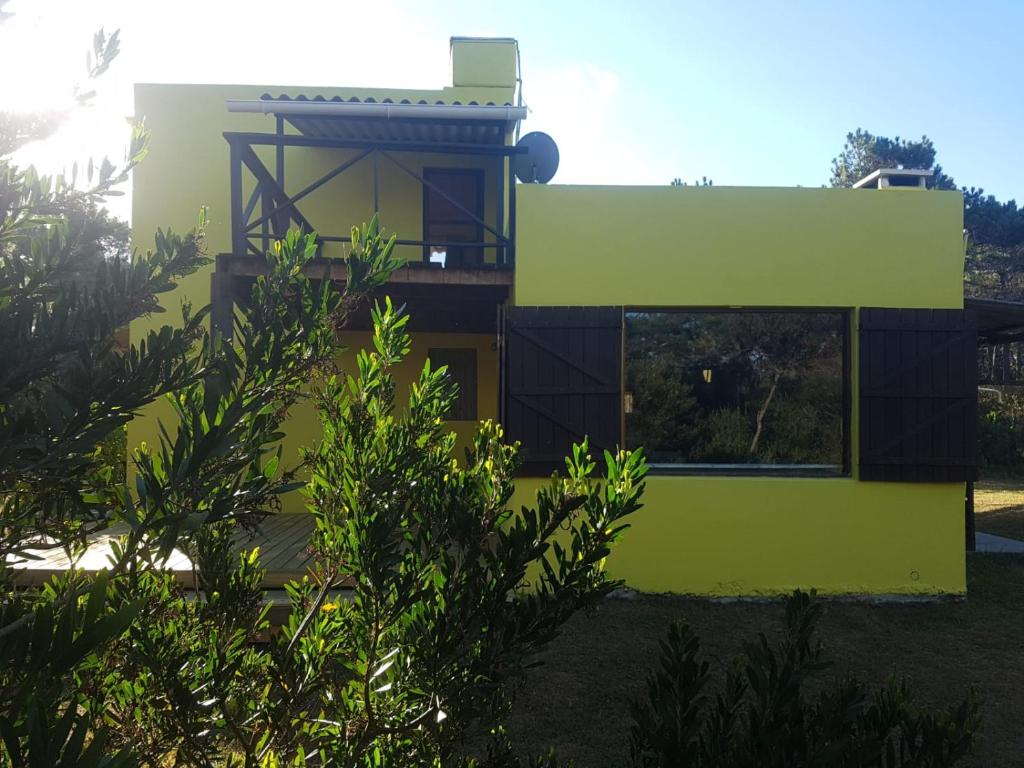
[[510, 257], [237, 224], [499, 188], [376, 183], [279, 154], [969, 536], [222, 308]]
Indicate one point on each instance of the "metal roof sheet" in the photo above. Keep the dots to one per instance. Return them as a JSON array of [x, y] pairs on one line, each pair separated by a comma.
[[284, 97], [999, 321], [440, 129]]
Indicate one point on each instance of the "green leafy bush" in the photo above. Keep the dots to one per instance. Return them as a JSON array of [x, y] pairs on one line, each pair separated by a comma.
[[450, 592], [429, 595], [724, 437], [444, 613], [1000, 437], [772, 709]]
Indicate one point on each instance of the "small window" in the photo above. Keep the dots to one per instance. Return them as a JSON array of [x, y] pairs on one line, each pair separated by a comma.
[[462, 369], [747, 391], [453, 207]]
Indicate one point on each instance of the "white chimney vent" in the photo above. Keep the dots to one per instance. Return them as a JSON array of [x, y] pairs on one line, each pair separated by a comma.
[[901, 178]]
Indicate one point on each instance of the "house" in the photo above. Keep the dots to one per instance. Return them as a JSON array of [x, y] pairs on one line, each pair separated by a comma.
[[796, 362]]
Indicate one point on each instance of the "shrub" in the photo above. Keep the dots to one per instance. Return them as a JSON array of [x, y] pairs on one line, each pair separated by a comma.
[[452, 592], [724, 437], [1000, 441], [771, 709]]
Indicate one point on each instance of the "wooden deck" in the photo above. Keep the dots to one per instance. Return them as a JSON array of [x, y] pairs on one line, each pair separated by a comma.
[[283, 541], [454, 300], [412, 272]]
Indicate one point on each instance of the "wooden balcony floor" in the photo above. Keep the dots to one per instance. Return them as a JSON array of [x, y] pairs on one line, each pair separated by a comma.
[[412, 272], [283, 541]]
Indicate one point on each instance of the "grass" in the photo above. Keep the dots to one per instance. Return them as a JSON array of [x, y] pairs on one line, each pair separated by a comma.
[[577, 702], [999, 508]]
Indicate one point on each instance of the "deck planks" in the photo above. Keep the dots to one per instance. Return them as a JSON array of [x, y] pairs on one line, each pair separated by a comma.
[[283, 540]]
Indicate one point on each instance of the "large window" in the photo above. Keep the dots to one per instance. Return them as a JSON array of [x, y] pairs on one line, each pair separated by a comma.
[[737, 390]]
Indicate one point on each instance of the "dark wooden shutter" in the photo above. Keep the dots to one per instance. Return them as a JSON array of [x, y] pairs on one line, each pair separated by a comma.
[[563, 381], [918, 395]]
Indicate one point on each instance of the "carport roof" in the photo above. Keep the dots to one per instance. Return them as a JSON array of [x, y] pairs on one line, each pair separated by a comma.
[[999, 321]]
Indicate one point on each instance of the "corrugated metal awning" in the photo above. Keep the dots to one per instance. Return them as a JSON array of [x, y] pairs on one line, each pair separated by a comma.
[[390, 120]]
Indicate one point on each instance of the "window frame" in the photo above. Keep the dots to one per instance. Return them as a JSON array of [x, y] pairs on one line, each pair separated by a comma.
[[843, 470]]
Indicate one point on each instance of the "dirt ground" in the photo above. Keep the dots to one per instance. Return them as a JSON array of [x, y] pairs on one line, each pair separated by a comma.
[[999, 509]]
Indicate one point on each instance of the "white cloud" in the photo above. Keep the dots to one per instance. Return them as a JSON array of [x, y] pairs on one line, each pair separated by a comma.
[[581, 106]]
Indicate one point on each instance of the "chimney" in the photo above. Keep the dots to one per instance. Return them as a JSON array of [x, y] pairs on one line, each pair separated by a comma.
[[484, 62], [895, 178]]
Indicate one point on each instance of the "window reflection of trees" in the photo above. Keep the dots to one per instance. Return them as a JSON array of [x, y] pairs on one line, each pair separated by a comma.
[[735, 387]]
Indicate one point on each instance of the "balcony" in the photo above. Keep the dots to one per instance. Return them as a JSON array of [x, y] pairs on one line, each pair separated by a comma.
[[346, 161], [439, 170]]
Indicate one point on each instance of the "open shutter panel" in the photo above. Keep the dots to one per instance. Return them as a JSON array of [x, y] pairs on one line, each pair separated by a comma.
[[918, 395], [563, 370]]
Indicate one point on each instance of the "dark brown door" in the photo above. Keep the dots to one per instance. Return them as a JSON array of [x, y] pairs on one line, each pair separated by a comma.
[[453, 209]]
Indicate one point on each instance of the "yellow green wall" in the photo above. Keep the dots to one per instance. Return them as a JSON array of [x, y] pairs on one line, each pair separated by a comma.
[[302, 428], [187, 167], [640, 246], [723, 247], [483, 62], [764, 536]]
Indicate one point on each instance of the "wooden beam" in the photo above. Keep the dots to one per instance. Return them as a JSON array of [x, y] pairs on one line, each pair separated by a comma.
[[222, 303], [289, 203], [269, 184], [445, 148], [414, 272]]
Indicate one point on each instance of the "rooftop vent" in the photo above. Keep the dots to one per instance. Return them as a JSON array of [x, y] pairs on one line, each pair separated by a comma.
[[903, 178]]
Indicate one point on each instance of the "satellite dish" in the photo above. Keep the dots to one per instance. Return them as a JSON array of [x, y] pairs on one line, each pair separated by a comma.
[[537, 165]]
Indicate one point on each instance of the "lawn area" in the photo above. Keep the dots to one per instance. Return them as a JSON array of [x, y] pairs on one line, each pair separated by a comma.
[[577, 701], [999, 508]]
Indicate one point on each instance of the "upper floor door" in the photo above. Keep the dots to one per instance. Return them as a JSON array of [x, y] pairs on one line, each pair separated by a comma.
[[453, 215]]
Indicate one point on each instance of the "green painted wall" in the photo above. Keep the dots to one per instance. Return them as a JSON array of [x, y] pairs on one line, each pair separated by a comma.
[[188, 121], [642, 246], [187, 168], [303, 429], [722, 247], [748, 536], [483, 62]]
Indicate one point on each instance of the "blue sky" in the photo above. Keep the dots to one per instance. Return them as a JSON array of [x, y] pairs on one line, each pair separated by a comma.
[[763, 93], [636, 93]]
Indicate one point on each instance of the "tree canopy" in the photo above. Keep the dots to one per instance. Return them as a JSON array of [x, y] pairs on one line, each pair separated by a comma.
[[994, 229], [864, 153]]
